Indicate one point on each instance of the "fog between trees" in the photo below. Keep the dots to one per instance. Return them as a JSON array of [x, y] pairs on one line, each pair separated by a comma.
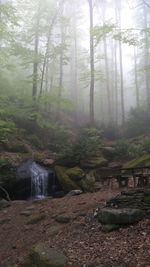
[[88, 60]]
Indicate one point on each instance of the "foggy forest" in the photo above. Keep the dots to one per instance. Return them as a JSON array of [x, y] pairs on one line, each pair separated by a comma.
[[74, 133]]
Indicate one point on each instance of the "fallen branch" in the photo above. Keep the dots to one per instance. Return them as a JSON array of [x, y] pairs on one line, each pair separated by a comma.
[[6, 193]]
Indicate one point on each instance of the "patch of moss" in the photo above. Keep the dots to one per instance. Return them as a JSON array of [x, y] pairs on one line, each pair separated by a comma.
[[75, 173], [139, 162], [94, 162], [37, 218], [64, 180], [147, 199]]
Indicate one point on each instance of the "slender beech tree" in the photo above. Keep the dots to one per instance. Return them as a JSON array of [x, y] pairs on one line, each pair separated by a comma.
[[107, 73], [147, 56], [36, 52], [92, 67], [136, 79], [118, 6]]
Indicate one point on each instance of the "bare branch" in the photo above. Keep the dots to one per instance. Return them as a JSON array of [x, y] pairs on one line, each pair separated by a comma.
[[148, 5], [6, 193]]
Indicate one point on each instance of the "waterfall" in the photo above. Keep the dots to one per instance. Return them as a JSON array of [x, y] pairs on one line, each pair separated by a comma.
[[39, 181]]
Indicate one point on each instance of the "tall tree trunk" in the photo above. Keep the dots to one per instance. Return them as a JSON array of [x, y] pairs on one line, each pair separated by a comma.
[[74, 62], [147, 58], [60, 5], [107, 70], [116, 85], [60, 86], [121, 71], [36, 50], [47, 76], [91, 64], [47, 52], [136, 79]]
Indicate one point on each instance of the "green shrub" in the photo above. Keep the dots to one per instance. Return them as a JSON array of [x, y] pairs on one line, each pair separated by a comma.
[[146, 145], [88, 144], [138, 122], [122, 149], [6, 128]]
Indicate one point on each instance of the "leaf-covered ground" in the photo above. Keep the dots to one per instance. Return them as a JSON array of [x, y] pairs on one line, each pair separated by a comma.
[[25, 224]]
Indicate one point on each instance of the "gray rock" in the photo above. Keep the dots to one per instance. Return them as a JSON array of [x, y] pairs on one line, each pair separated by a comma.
[[110, 227], [63, 219], [4, 204], [43, 256], [74, 193], [26, 213], [4, 221], [119, 216]]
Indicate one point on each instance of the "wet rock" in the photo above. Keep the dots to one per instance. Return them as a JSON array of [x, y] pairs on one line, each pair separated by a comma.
[[43, 256]]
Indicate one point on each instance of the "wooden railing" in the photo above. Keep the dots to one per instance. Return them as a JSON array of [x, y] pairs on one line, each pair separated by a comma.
[[140, 176]]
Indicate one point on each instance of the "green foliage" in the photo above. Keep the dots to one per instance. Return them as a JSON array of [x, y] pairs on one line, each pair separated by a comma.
[[146, 145], [126, 37], [99, 32], [88, 144], [122, 149], [4, 162], [6, 128], [127, 150], [138, 122]]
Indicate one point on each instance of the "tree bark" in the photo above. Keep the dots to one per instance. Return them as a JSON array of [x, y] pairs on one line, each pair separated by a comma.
[[92, 67], [147, 72], [36, 49], [121, 70], [116, 85], [136, 79]]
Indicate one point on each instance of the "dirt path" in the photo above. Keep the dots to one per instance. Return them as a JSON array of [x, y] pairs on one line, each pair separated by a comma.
[[26, 223]]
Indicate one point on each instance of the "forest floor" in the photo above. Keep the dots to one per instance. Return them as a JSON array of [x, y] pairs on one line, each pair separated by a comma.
[[26, 223]]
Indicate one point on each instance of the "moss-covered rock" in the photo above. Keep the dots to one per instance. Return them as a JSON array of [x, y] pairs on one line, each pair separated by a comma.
[[75, 173], [119, 216], [139, 162], [43, 256], [93, 163], [88, 183], [37, 218], [64, 180]]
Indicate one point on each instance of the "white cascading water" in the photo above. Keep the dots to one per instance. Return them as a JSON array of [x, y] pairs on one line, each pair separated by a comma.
[[39, 181]]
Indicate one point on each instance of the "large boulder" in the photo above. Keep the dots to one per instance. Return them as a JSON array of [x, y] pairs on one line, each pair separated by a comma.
[[64, 180], [87, 184], [93, 163], [43, 256], [134, 198], [75, 173], [120, 217]]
